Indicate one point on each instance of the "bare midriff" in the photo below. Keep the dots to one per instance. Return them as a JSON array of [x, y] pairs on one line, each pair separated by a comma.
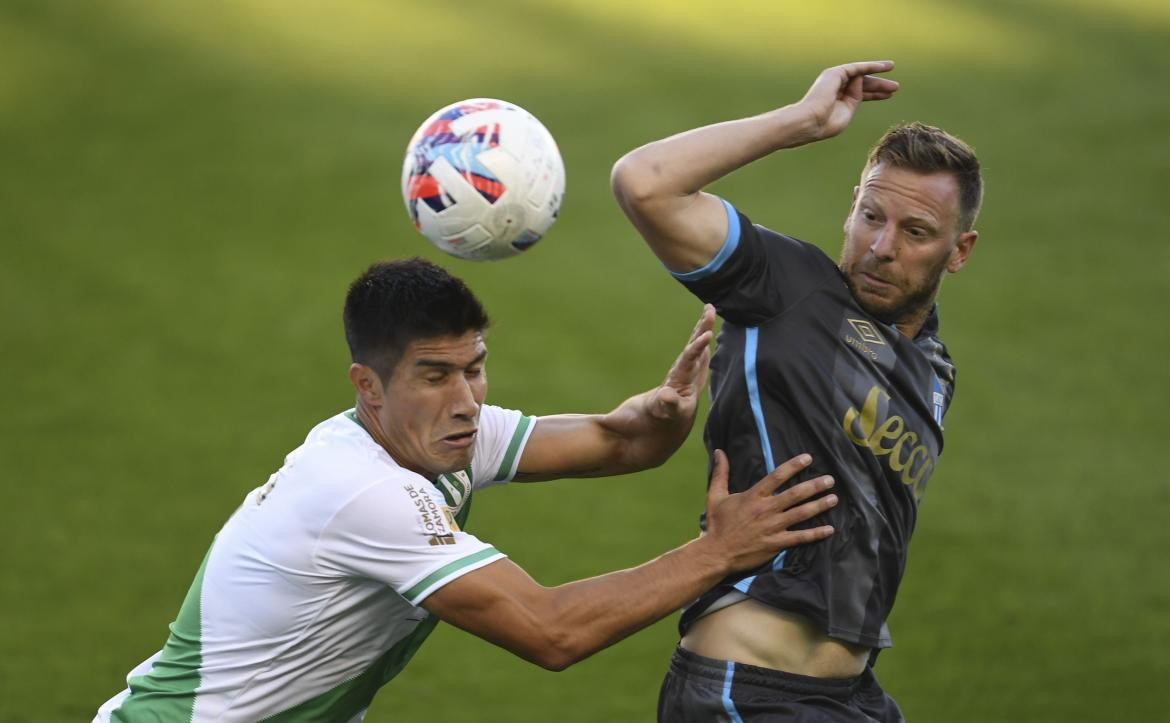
[[752, 633]]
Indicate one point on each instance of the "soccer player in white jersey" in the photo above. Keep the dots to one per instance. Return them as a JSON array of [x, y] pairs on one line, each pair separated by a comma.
[[325, 581]]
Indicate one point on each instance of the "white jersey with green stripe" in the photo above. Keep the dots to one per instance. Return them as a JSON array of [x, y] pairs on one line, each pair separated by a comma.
[[308, 600]]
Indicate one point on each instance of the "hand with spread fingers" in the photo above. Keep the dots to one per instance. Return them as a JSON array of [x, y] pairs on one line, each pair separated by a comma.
[[679, 394], [750, 527]]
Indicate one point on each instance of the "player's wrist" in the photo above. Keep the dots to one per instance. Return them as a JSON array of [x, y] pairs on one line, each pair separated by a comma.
[[798, 124], [710, 556]]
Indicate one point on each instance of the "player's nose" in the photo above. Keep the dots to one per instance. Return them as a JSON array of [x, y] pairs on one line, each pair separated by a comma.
[[885, 244], [464, 402]]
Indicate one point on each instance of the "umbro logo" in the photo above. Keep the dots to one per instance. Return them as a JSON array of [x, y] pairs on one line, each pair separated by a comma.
[[865, 338], [866, 331]]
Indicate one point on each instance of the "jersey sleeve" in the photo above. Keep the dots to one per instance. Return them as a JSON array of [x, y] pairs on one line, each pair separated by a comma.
[[400, 532], [498, 445], [757, 273]]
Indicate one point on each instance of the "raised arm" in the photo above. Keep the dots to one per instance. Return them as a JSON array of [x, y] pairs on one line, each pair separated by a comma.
[[642, 432], [556, 627], [659, 186]]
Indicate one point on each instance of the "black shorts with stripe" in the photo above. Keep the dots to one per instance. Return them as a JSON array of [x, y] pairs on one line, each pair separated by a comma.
[[698, 689]]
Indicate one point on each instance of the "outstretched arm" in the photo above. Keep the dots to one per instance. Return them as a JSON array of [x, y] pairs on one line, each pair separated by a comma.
[[642, 432], [659, 186], [556, 627]]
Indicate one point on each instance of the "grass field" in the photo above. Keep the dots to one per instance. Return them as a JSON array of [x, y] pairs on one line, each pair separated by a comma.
[[186, 189]]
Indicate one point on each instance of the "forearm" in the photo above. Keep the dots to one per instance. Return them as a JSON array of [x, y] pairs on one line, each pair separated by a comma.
[[684, 164], [644, 439], [589, 615], [555, 627], [659, 186], [628, 439]]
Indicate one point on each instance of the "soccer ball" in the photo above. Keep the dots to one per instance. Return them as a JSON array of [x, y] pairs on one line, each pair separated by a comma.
[[483, 179]]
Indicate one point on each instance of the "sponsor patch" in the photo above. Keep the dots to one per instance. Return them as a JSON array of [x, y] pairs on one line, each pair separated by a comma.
[[435, 520], [864, 338], [866, 331]]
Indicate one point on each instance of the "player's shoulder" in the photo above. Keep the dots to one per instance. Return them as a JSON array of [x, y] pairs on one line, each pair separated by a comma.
[[793, 245], [343, 435], [499, 443], [344, 425], [498, 420], [339, 453], [775, 243]]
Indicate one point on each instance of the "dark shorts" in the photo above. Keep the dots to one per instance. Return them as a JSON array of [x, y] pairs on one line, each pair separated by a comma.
[[705, 690]]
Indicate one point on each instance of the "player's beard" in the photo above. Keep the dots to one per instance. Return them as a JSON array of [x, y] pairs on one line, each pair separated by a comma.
[[911, 304]]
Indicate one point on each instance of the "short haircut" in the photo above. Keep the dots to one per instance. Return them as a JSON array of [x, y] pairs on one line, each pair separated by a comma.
[[926, 149], [397, 302]]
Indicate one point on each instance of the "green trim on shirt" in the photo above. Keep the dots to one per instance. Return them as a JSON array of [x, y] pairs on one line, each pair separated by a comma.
[[167, 691], [345, 701], [513, 447], [447, 570], [353, 417]]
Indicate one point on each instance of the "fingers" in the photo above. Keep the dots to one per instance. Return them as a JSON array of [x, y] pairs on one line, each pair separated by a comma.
[[792, 538], [718, 487], [873, 84], [866, 67], [790, 499], [782, 474], [852, 89], [691, 365], [753, 525], [812, 508], [877, 88], [700, 336], [798, 493], [854, 80], [843, 75], [689, 372], [706, 321], [695, 348]]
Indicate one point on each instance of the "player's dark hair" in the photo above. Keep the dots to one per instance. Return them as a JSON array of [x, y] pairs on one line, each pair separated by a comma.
[[926, 149], [397, 302]]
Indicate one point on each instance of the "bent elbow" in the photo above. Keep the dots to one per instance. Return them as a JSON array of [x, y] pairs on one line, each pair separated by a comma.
[[554, 663], [632, 183], [560, 650], [643, 462]]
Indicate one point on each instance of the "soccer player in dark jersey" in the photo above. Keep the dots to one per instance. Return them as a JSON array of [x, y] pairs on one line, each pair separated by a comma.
[[839, 359]]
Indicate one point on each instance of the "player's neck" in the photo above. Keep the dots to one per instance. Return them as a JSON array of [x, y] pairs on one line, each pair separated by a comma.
[[369, 421], [911, 324], [910, 329]]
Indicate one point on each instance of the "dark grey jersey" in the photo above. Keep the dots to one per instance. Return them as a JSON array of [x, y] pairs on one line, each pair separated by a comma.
[[800, 367]]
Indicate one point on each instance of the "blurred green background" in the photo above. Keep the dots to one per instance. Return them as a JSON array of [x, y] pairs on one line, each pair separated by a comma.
[[187, 188]]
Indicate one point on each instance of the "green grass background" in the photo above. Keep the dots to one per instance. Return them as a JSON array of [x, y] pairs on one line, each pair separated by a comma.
[[187, 188]]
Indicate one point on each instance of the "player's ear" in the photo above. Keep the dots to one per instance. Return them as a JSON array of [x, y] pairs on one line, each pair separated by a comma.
[[366, 383], [962, 250]]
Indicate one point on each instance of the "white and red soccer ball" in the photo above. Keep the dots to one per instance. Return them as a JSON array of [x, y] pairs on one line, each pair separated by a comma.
[[483, 179]]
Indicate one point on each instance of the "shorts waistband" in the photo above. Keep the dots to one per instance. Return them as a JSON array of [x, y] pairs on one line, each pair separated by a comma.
[[685, 662]]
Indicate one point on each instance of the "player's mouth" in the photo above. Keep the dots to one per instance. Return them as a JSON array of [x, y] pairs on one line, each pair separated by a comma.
[[460, 440], [874, 282]]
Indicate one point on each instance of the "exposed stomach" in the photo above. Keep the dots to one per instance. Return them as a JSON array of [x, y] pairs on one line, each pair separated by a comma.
[[753, 633]]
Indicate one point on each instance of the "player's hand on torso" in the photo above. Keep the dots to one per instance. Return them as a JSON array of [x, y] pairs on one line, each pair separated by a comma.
[[749, 527]]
